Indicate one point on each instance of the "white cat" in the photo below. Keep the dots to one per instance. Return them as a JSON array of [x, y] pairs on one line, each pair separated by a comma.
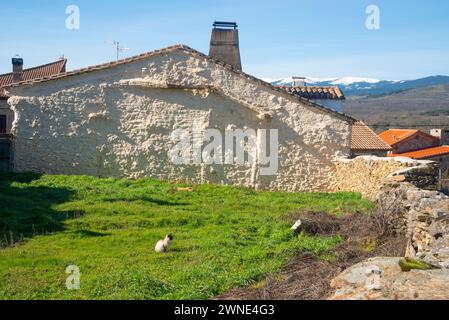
[[162, 245]]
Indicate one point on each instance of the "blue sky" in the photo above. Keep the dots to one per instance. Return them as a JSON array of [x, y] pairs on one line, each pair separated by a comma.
[[320, 38]]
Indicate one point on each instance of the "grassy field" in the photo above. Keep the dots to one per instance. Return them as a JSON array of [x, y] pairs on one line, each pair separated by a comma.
[[225, 237]]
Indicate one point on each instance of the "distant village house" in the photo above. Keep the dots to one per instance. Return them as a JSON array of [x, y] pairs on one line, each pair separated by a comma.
[[416, 144]]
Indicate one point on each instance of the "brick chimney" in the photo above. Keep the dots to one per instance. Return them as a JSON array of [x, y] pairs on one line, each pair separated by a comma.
[[17, 69], [224, 43]]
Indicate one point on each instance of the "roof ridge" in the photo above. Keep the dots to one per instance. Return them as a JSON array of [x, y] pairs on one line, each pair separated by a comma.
[[314, 86], [194, 52], [392, 129], [97, 66], [267, 84]]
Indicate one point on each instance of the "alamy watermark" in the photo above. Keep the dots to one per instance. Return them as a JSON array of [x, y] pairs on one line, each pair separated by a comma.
[[237, 147], [372, 22], [73, 280], [73, 21], [373, 275]]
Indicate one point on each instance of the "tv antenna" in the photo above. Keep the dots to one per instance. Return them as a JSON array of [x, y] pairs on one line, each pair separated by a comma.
[[118, 48]]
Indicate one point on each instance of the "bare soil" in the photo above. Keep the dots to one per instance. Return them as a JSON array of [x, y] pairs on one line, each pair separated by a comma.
[[307, 277]]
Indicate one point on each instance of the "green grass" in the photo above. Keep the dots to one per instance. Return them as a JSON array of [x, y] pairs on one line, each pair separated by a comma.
[[225, 236]]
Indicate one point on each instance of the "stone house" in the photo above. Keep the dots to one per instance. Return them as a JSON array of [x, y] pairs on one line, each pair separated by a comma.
[[330, 97], [117, 120], [419, 145], [406, 140]]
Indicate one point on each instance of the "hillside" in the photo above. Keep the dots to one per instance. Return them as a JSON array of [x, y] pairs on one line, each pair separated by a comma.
[[355, 86], [422, 107]]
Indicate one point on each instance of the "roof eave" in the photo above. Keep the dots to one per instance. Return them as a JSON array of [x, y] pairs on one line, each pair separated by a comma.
[[185, 48]]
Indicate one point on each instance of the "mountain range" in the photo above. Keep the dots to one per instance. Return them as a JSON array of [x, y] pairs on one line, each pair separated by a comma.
[[354, 86]]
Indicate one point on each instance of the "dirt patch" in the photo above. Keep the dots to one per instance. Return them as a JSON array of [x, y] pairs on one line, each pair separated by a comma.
[[306, 277]]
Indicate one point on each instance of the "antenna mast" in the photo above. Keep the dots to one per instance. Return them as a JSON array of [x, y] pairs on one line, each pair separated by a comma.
[[118, 48]]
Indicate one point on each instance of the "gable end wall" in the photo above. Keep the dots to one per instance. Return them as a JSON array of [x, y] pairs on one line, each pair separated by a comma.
[[118, 121]]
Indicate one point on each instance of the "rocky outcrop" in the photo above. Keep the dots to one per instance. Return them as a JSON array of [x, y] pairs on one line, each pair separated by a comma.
[[423, 216], [360, 283]]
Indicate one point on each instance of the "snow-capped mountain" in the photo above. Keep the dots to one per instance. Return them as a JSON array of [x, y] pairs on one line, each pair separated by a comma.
[[352, 86]]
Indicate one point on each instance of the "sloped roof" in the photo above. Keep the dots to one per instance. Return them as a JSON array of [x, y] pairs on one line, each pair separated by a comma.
[[314, 92], [394, 136], [363, 138], [31, 74], [192, 52], [424, 153]]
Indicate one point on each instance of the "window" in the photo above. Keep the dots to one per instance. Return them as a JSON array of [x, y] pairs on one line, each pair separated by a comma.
[[2, 123]]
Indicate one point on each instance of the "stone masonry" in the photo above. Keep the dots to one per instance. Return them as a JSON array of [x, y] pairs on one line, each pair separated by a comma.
[[368, 174], [423, 216]]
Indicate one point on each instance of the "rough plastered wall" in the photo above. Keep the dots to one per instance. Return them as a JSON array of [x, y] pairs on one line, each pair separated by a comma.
[[369, 174], [117, 122]]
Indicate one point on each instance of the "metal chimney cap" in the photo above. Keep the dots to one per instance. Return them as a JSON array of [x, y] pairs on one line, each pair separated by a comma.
[[17, 61], [224, 24]]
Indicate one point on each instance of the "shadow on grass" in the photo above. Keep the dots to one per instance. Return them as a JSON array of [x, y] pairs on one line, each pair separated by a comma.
[[26, 210], [90, 234], [147, 199]]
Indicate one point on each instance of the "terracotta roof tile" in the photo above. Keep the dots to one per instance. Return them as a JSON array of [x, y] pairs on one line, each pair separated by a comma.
[[424, 153], [331, 93], [193, 52], [363, 138], [394, 136], [30, 74]]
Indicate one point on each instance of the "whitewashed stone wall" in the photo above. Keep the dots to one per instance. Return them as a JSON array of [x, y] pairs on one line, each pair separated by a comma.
[[117, 122]]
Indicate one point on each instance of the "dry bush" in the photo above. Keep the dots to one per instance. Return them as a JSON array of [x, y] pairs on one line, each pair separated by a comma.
[[306, 277]]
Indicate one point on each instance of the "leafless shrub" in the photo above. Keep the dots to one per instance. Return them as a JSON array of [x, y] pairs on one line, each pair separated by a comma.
[[308, 278]]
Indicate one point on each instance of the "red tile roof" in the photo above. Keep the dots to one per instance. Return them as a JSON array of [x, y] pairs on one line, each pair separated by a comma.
[[363, 138], [191, 52], [394, 136], [30, 74], [332, 93], [424, 153]]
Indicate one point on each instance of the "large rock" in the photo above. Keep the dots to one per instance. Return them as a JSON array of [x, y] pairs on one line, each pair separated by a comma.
[[356, 283]]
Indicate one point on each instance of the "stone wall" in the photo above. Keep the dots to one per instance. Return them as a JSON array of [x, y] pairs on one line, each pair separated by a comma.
[[118, 122], [368, 174], [423, 217]]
